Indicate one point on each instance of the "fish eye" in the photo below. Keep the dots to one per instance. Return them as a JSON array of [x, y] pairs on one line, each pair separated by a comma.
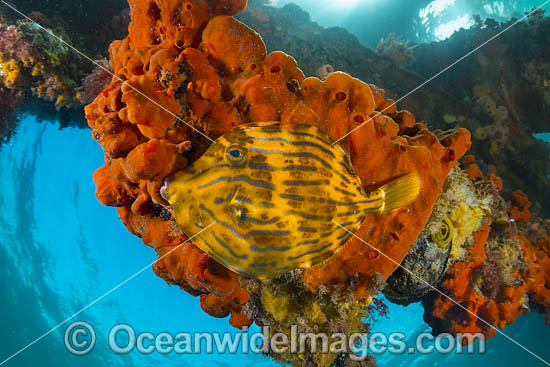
[[445, 234], [235, 154]]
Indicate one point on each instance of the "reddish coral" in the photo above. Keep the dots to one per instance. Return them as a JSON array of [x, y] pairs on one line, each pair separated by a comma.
[[98, 80], [537, 275], [473, 171], [520, 207], [390, 155], [180, 22], [470, 167], [111, 191], [14, 45], [148, 106], [496, 180], [187, 65], [478, 283], [193, 270], [457, 285], [232, 51]]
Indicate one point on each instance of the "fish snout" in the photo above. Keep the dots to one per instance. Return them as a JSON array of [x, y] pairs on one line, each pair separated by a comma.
[[164, 190]]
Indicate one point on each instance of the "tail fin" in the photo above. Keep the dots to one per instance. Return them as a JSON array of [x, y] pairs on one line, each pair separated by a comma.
[[401, 191]]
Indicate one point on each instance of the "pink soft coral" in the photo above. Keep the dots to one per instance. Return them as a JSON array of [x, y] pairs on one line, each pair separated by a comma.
[[99, 78], [14, 45]]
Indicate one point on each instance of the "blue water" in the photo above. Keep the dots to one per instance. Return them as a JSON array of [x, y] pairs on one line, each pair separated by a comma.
[[60, 250], [529, 330], [413, 20], [543, 136]]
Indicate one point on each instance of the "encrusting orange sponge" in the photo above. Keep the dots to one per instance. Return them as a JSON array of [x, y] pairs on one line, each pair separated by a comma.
[[503, 274], [186, 65]]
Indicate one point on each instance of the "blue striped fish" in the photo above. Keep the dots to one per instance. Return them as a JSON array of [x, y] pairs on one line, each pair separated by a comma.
[[275, 193]]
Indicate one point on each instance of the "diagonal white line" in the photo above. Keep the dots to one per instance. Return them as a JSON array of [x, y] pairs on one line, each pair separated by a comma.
[[449, 67], [104, 69], [444, 295], [101, 297]]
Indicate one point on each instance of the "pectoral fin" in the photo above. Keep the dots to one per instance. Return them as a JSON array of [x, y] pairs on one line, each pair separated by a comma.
[[239, 205]]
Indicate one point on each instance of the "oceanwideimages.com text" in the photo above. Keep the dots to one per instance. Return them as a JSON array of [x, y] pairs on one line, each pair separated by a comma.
[[80, 339]]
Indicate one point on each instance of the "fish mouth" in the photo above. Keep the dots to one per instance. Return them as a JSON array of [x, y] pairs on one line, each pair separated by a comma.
[[165, 186], [189, 170], [164, 189]]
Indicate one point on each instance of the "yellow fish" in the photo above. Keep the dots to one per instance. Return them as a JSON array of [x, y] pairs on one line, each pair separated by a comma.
[[275, 193]]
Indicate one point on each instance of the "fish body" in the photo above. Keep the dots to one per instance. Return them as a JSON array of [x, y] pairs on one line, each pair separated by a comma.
[[275, 193]]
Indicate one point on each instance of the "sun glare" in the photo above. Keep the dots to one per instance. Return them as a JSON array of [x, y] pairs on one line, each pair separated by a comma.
[[347, 3], [446, 30]]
